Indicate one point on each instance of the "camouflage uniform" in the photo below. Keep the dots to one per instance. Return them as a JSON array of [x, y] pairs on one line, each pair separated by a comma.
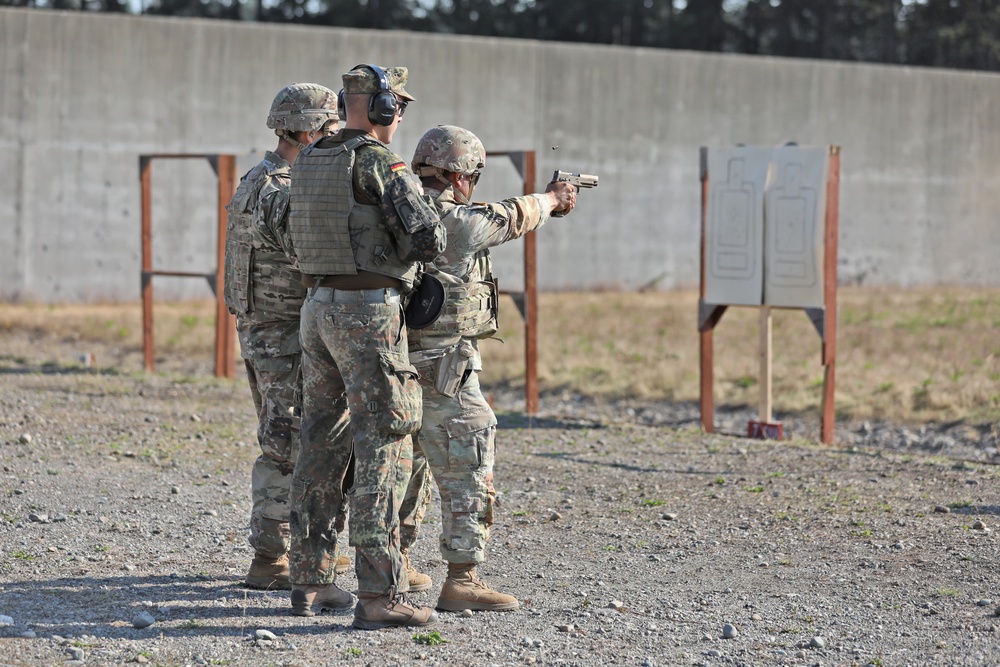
[[267, 321], [458, 433], [356, 376], [264, 290]]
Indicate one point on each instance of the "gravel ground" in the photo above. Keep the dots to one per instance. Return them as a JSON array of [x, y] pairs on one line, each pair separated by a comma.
[[630, 537]]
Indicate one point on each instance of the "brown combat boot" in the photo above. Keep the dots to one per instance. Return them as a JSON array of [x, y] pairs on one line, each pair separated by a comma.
[[269, 574], [383, 611], [308, 600], [343, 564], [464, 590], [418, 580]]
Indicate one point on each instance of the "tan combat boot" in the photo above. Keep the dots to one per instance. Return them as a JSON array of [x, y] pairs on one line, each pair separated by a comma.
[[418, 580], [383, 611], [464, 590], [269, 574], [308, 600], [343, 564]]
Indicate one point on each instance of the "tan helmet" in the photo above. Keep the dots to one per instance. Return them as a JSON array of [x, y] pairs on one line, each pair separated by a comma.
[[302, 107], [449, 148]]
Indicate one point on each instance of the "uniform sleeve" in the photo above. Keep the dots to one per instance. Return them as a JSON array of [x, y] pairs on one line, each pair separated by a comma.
[[484, 226], [273, 210], [381, 172]]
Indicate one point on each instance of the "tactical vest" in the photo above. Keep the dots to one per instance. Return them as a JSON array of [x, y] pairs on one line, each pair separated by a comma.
[[259, 277], [471, 304], [332, 233]]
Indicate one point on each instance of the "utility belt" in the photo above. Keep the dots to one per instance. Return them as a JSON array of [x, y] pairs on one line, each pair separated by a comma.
[[450, 367], [386, 295]]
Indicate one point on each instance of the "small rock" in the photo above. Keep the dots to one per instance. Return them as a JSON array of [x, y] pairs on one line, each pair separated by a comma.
[[195, 418], [263, 643], [28, 634], [143, 620], [979, 525], [669, 516], [210, 513], [59, 518], [617, 605], [817, 642], [941, 509], [25, 439], [38, 518], [566, 627], [467, 613], [175, 490], [555, 516], [6, 620], [540, 575], [729, 631], [200, 660], [996, 612], [265, 634], [756, 617], [713, 654], [75, 652], [984, 603], [527, 641], [141, 659]]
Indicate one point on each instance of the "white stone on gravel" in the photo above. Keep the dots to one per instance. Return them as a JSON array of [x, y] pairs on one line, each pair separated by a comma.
[[143, 620], [75, 653], [6, 620], [28, 634], [265, 634], [25, 439], [617, 605], [817, 642], [175, 490], [467, 613], [729, 631]]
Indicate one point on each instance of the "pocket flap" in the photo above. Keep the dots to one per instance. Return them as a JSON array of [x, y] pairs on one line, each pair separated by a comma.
[[465, 424], [397, 363]]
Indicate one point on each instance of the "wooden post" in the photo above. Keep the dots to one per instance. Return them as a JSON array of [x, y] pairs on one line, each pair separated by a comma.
[[764, 404], [225, 363], [146, 278], [530, 300], [705, 334], [830, 295]]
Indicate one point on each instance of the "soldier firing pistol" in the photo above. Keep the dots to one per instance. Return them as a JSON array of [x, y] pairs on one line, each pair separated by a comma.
[[576, 180]]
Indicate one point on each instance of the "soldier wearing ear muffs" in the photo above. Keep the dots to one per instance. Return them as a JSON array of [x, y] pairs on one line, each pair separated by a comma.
[[359, 225]]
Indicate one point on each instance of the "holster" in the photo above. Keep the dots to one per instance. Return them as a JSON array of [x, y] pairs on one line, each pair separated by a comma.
[[450, 369]]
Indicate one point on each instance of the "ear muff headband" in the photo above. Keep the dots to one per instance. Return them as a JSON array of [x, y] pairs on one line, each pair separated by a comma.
[[341, 106], [383, 105]]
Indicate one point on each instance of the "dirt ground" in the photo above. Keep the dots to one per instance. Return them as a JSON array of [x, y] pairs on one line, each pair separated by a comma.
[[630, 537]]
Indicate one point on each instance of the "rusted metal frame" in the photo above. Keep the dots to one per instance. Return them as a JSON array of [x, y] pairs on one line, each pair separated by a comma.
[[527, 301], [224, 167], [828, 414]]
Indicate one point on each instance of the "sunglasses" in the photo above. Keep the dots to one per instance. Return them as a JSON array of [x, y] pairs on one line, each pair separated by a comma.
[[401, 106]]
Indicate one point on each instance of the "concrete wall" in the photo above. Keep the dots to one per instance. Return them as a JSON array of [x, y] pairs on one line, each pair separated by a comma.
[[83, 95]]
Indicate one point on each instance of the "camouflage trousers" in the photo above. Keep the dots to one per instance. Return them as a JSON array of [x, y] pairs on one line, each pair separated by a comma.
[[357, 381], [274, 384], [458, 438], [416, 500]]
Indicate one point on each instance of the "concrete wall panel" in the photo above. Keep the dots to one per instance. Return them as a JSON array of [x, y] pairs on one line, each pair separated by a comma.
[[84, 95]]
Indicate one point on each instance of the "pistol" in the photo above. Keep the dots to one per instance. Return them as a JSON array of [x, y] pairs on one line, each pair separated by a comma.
[[577, 180]]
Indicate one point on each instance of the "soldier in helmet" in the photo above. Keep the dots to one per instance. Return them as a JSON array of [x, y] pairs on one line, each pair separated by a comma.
[[359, 224], [458, 434], [264, 290]]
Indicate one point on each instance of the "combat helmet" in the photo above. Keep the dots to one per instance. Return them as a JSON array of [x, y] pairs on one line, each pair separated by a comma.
[[448, 148], [302, 107]]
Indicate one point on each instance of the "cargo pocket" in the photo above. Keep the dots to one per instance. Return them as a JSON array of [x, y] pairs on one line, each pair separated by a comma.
[[401, 408], [469, 440]]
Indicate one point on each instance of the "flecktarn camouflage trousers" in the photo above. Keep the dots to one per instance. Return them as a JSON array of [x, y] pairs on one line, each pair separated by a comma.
[[357, 381]]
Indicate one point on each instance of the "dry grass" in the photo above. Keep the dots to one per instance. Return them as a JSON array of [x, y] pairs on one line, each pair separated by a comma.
[[911, 355]]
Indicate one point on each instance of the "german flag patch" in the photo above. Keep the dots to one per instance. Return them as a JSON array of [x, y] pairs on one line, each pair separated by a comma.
[[398, 166]]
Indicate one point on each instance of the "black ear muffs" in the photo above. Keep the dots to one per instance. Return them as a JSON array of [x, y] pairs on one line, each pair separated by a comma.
[[383, 105], [341, 106]]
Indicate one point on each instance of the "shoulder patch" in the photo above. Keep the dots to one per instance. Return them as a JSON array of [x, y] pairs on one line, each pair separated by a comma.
[[397, 166]]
